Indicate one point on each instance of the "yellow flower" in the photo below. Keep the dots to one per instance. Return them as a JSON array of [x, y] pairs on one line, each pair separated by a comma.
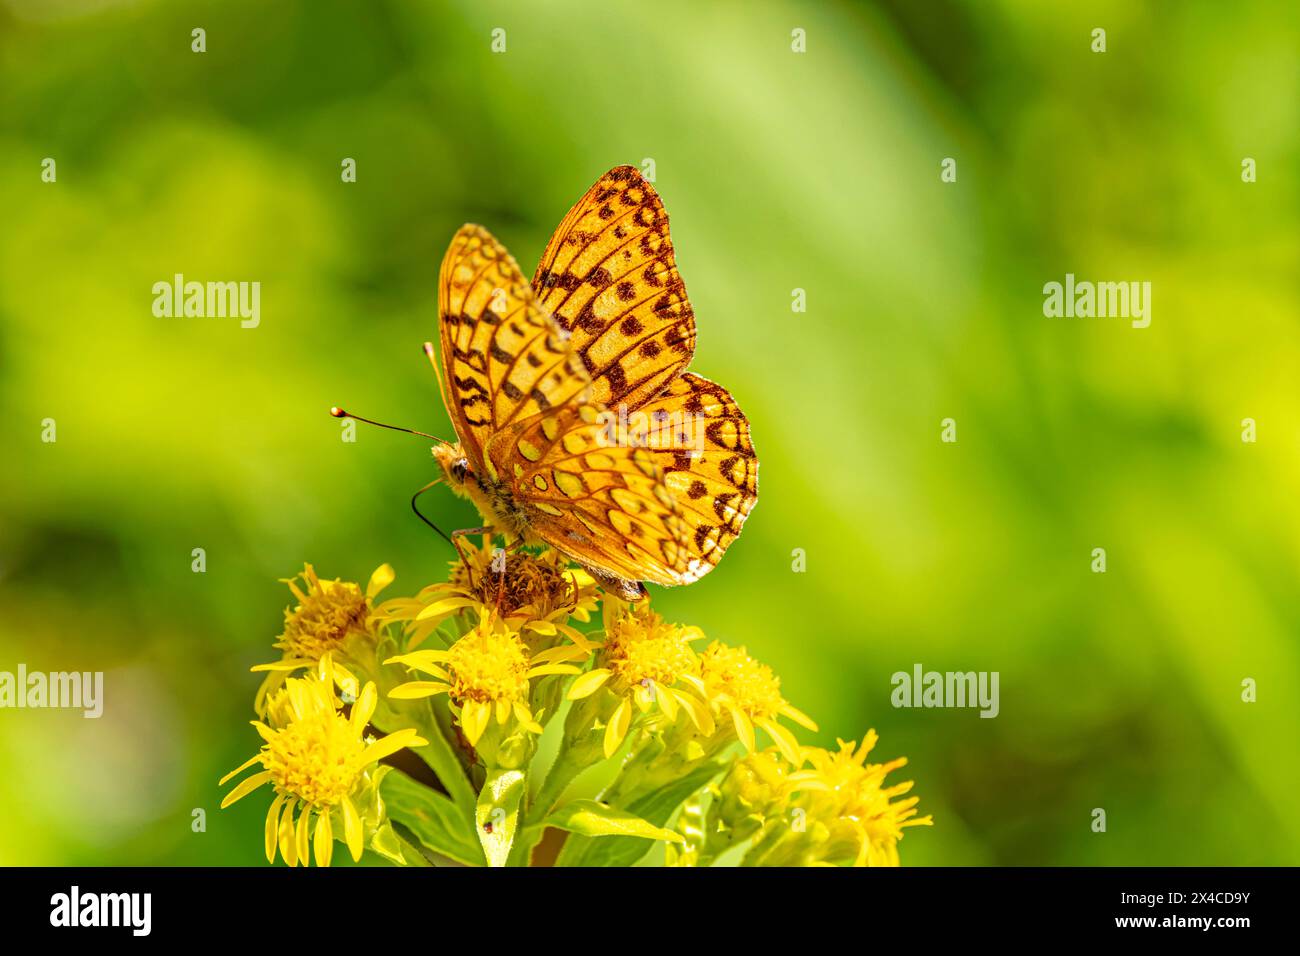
[[758, 783], [848, 794], [749, 691], [834, 811], [535, 595], [486, 673], [643, 662], [319, 762], [753, 795], [328, 615]]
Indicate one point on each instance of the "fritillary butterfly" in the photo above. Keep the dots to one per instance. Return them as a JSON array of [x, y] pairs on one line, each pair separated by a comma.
[[578, 424]]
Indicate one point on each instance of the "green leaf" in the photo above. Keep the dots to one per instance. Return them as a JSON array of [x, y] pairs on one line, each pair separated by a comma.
[[433, 818], [437, 753], [497, 813], [387, 844], [655, 808], [593, 819]]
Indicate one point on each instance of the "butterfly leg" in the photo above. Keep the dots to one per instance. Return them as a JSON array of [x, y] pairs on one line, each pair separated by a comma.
[[501, 569], [455, 543]]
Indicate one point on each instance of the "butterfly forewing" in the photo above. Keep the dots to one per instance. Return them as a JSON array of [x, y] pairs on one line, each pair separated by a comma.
[[610, 278], [504, 359]]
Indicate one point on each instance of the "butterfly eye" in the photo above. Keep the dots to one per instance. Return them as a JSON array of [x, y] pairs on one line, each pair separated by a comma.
[[459, 469]]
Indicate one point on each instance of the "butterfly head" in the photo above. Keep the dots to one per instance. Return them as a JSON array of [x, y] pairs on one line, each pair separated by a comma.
[[455, 466]]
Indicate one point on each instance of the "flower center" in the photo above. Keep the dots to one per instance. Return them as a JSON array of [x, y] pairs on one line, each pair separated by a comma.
[[644, 648], [749, 684], [316, 759], [524, 581], [488, 666], [328, 613]]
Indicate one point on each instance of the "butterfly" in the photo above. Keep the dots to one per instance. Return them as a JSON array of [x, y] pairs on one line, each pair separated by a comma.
[[578, 424]]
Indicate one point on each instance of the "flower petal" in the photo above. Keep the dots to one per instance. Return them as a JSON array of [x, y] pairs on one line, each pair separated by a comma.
[[474, 717], [559, 654], [799, 717], [386, 746], [526, 718], [324, 839], [288, 664], [272, 825], [578, 638], [444, 607], [699, 713], [382, 577], [617, 727], [288, 848], [364, 707], [785, 741], [744, 728], [345, 679], [588, 683], [352, 828], [667, 699], [420, 660], [416, 689], [544, 669], [302, 842], [246, 786], [256, 758]]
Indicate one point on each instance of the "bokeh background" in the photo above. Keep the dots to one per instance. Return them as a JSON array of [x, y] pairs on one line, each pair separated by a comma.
[[780, 170]]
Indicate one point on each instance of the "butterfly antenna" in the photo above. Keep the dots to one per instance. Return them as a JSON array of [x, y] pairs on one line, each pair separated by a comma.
[[340, 413], [419, 514], [464, 561]]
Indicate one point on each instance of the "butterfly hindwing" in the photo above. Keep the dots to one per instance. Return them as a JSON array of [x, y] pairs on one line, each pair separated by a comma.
[[656, 495], [603, 503], [699, 437]]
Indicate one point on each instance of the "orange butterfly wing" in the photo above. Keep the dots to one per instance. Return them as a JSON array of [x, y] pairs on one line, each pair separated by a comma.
[[520, 401], [659, 494], [504, 359], [699, 438], [609, 276], [656, 491], [602, 502]]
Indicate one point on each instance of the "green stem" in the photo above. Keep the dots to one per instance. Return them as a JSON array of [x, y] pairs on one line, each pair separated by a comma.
[[580, 748], [562, 773], [765, 846], [438, 752]]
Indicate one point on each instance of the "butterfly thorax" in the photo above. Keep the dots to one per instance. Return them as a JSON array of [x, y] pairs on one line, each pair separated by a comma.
[[499, 509]]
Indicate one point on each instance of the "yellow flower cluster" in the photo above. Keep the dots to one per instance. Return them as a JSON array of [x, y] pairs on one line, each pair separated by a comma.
[[468, 673], [827, 807], [319, 761], [486, 673]]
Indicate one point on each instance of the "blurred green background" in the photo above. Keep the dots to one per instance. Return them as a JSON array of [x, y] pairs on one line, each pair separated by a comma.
[[780, 170]]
